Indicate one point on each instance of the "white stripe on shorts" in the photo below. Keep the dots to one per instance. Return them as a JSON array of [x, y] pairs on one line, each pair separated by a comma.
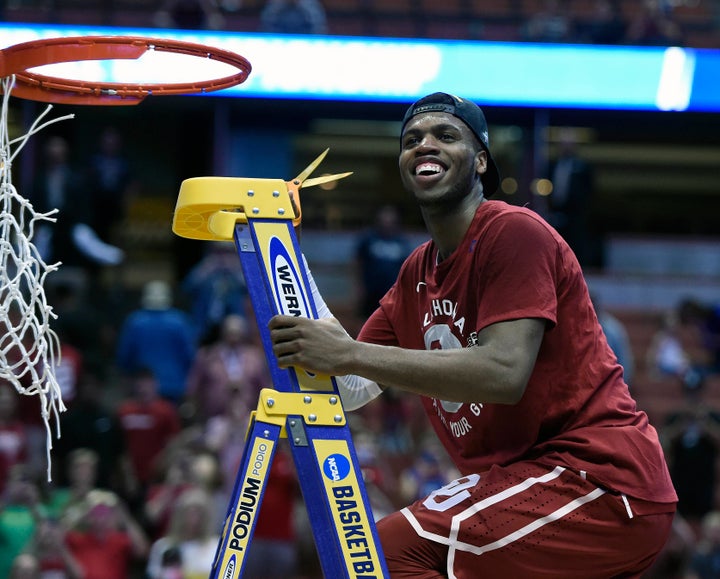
[[452, 540], [485, 503]]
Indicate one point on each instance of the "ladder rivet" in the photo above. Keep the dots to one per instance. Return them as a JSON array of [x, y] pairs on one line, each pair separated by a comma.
[[256, 210], [281, 211], [251, 193], [271, 402], [276, 193], [297, 441], [312, 417], [307, 399], [293, 422], [333, 400], [337, 418], [266, 433]]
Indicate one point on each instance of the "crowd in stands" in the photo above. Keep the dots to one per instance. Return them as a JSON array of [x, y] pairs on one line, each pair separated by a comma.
[[154, 432], [158, 397], [642, 22], [142, 481], [143, 472]]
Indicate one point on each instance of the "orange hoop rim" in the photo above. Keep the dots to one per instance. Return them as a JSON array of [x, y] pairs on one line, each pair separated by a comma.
[[17, 59]]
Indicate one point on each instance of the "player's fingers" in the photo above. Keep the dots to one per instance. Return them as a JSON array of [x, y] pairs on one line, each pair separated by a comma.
[[284, 331], [285, 353], [282, 321]]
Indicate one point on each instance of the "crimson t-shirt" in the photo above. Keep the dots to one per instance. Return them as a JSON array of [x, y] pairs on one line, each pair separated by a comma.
[[107, 557], [148, 428], [576, 410]]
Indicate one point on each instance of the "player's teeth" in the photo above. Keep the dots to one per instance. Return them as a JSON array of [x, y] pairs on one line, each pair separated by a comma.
[[427, 167]]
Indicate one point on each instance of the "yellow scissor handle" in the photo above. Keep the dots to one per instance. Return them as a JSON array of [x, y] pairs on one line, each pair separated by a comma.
[[210, 207]]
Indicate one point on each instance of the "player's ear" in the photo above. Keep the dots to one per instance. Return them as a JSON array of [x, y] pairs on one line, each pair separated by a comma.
[[481, 162]]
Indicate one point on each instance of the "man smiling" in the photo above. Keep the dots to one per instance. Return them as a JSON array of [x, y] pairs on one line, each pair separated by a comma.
[[491, 323]]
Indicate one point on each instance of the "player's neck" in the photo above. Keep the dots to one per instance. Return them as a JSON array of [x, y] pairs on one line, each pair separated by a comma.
[[448, 228]]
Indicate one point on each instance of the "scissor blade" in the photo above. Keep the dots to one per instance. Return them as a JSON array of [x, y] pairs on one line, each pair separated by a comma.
[[311, 167], [324, 179]]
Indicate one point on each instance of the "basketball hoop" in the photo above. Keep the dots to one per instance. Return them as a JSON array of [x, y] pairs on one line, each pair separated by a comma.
[[29, 348], [17, 59]]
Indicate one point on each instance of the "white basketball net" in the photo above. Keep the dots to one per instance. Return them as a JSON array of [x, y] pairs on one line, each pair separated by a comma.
[[29, 348]]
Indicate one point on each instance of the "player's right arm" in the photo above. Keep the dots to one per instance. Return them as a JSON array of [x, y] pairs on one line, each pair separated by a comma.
[[496, 370]]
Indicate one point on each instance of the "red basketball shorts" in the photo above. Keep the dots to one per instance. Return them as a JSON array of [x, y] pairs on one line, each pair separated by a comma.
[[524, 521]]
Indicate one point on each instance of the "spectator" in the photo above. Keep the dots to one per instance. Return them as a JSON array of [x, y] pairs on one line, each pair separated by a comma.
[[207, 475], [570, 201], [68, 369], [428, 472], [712, 333], [107, 540], [110, 183], [653, 25], [607, 25], [273, 551], [232, 364], [162, 496], [58, 185], [550, 24], [160, 337], [216, 288], [378, 477], [293, 17], [691, 437], [679, 348], [705, 561], [14, 444], [617, 338], [224, 435], [65, 501], [192, 534], [25, 566], [190, 15], [379, 253], [674, 559], [71, 240], [387, 418], [706, 318], [149, 424], [83, 325], [51, 555], [90, 424], [20, 511], [22, 426]]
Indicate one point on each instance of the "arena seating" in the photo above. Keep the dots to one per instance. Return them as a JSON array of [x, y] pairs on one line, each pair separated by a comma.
[[449, 19]]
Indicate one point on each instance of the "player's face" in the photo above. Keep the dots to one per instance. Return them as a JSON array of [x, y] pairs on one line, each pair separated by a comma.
[[440, 159]]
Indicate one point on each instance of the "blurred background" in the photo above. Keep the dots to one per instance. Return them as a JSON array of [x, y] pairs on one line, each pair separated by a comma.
[[636, 193]]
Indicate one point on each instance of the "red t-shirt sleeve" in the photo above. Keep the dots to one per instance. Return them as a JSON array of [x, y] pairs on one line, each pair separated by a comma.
[[517, 271], [377, 328]]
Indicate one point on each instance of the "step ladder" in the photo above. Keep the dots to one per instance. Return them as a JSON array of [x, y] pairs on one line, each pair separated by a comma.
[[259, 216]]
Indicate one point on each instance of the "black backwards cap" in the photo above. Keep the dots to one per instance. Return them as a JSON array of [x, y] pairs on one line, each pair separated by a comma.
[[472, 116]]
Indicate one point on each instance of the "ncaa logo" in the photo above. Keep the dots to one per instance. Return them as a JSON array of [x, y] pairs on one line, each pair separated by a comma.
[[229, 572], [336, 467], [289, 294]]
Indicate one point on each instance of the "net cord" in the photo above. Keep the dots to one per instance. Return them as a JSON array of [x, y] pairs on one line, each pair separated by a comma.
[[29, 348]]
